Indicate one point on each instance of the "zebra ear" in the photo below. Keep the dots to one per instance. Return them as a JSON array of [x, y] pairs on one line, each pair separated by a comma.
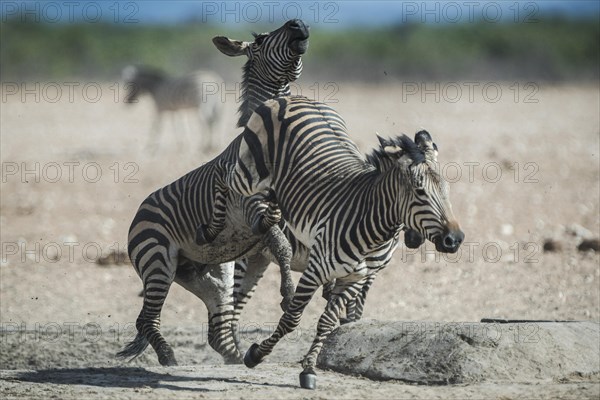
[[232, 48], [423, 140], [390, 148], [425, 143]]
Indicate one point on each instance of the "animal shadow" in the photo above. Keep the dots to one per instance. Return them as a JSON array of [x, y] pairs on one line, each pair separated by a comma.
[[122, 378]]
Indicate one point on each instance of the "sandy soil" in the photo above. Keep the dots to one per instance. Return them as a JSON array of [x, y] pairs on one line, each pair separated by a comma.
[[522, 172]]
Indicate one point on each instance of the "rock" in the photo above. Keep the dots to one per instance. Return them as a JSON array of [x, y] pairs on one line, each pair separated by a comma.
[[551, 245], [589, 244], [434, 353]]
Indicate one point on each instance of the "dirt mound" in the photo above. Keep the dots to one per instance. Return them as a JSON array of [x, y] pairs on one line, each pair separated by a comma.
[[436, 353]]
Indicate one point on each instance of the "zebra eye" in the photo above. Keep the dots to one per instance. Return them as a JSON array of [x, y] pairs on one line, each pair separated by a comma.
[[420, 192]]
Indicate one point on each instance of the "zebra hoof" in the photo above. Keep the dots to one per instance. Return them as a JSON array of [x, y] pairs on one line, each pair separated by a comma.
[[202, 236], [308, 379], [251, 358], [166, 357], [344, 321]]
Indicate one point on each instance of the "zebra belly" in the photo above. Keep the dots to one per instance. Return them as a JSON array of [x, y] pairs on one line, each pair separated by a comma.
[[234, 242]]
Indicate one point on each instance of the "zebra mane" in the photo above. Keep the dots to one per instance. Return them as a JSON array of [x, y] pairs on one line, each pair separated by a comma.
[[244, 109], [382, 160], [414, 152]]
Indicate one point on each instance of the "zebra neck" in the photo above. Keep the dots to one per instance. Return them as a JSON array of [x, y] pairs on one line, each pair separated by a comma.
[[255, 92], [385, 201]]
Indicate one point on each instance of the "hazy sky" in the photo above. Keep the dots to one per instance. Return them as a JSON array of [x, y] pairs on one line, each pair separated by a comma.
[[326, 14]]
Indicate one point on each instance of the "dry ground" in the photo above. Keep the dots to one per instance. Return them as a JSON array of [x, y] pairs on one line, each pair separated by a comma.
[[527, 171]]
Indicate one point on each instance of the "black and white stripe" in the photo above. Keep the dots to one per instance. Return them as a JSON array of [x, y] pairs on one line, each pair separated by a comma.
[[347, 209], [163, 244]]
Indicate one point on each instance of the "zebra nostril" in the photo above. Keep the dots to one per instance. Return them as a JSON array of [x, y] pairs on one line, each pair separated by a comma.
[[449, 242], [453, 239]]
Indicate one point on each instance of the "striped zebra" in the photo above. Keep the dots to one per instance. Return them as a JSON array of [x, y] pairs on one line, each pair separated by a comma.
[[197, 92], [163, 244], [345, 208]]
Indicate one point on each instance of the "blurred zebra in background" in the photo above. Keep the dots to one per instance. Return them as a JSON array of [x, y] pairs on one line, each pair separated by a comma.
[[198, 92]]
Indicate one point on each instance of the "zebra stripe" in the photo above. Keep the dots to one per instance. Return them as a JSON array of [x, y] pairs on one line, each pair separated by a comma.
[[347, 209]]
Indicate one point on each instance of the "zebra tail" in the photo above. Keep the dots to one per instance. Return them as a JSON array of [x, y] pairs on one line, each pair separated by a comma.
[[134, 348]]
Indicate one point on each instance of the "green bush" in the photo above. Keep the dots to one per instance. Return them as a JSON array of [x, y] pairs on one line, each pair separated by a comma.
[[552, 49]]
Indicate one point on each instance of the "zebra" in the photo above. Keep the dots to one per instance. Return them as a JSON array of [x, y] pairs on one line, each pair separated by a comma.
[[163, 244], [345, 208], [197, 91]]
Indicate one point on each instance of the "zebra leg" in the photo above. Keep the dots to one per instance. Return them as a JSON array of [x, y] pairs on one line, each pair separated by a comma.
[[212, 116], [266, 220], [157, 278], [213, 284], [281, 249], [350, 312], [205, 122], [328, 290], [355, 307], [307, 286], [185, 131], [266, 223], [153, 137], [206, 233], [344, 292], [241, 266], [247, 274]]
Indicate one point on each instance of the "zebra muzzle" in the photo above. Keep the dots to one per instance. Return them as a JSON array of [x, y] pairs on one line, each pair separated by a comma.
[[450, 241]]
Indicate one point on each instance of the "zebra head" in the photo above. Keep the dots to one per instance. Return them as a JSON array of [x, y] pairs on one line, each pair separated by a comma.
[[140, 80], [423, 204], [274, 60]]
